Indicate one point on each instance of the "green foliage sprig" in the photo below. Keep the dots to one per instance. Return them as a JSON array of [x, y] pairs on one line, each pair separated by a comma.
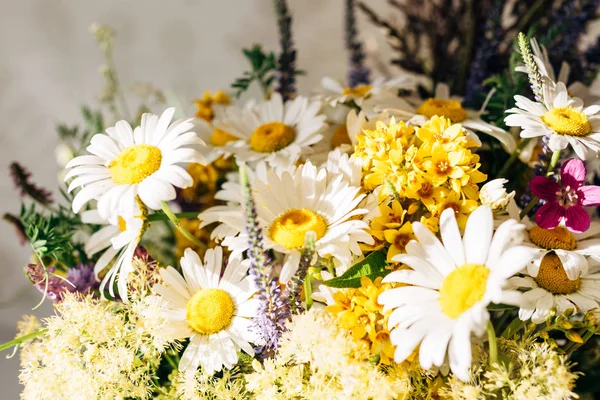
[[263, 70]]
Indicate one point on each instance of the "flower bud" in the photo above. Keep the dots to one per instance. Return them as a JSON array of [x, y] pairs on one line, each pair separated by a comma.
[[494, 194], [592, 320]]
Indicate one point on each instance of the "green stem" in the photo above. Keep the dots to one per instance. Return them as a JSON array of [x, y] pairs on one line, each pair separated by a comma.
[[171, 361], [493, 345], [175, 221], [529, 207], [164, 217], [513, 157], [503, 320], [512, 328], [308, 291], [21, 339]]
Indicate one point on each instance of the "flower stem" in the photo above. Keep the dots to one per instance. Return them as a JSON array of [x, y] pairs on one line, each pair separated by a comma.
[[308, 291], [21, 339], [493, 345], [512, 328], [164, 217], [513, 157], [177, 223]]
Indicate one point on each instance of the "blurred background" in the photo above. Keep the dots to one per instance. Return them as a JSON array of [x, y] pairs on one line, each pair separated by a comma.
[[49, 69]]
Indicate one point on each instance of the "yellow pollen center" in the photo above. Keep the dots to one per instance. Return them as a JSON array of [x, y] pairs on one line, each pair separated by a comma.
[[567, 121], [358, 91], [557, 238], [450, 109], [220, 138], [210, 311], [462, 288], [340, 136], [443, 167], [552, 276], [135, 164], [122, 224], [271, 137], [290, 228]]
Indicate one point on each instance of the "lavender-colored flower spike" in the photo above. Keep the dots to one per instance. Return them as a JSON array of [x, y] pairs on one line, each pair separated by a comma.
[[358, 73], [21, 178], [286, 66], [80, 279], [294, 286], [273, 312]]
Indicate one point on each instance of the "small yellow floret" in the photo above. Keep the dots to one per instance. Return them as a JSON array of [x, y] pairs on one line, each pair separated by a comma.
[[271, 137], [135, 164], [220, 138], [567, 121], [451, 109], [358, 91], [290, 228], [210, 311], [462, 288]]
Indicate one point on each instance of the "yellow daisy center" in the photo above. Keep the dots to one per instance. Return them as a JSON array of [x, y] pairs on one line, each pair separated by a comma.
[[567, 121], [210, 311], [271, 137], [450, 109], [290, 228], [135, 164], [220, 138], [462, 288], [122, 224], [340, 136], [557, 238], [358, 91], [552, 276]]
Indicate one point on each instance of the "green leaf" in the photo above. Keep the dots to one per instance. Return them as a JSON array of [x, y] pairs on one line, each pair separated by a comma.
[[373, 266]]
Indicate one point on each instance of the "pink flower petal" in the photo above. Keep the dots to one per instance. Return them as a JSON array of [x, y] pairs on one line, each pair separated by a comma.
[[572, 173], [549, 215], [544, 188], [589, 195], [577, 219]]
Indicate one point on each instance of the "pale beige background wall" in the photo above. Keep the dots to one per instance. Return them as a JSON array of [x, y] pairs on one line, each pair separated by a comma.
[[48, 67]]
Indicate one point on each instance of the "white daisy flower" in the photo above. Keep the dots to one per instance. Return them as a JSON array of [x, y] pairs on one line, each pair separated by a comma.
[[127, 163], [334, 92], [118, 240], [444, 106], [565, 272], [213, 311], [451, 284], [290, 204], [561, 117], [272, 130]]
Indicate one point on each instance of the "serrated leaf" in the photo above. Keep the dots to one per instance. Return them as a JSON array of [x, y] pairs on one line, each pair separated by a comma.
[[373, 266], [574, 337]]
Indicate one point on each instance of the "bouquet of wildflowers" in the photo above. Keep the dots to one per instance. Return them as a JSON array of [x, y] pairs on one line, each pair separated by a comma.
[[380, 238]]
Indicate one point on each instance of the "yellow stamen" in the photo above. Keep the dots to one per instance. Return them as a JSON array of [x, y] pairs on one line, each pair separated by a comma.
[[557, 238], [567, 121], [462, 288], [271, 137], [135, 164], [290, 228], [450, 109], [358, 91], [220, 138], [553, 277], [210, 311], [340, 136]]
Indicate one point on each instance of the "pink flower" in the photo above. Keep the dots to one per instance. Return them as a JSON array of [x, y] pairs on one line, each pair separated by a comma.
[[565, 201]]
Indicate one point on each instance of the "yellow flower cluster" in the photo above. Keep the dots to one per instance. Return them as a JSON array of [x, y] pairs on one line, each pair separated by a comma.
[[205, 104], [358, 311], [425, 170], [319, 360]]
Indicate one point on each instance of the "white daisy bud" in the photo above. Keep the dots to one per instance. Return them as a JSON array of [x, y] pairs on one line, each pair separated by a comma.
[[494, 194], [63, 154]]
